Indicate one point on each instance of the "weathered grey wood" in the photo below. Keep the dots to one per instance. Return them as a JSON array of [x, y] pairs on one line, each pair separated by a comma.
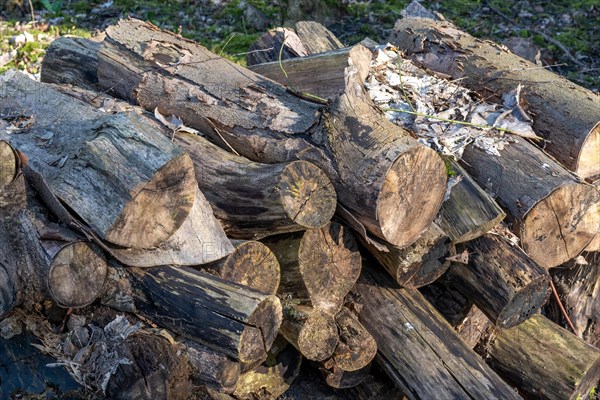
[[211, 368], [501, 280], [544, 360], [417, 349], [233, 319], [565, 114], [134, 188], [420, 263], [316, 38], [468, 211]]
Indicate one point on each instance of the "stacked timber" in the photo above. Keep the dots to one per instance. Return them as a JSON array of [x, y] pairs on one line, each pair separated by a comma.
[[219, 232]]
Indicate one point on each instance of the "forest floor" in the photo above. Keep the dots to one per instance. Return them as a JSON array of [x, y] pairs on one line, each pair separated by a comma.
[[567, 33]]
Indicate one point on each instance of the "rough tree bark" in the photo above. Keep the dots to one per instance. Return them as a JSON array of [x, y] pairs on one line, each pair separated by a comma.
[[566, 115]]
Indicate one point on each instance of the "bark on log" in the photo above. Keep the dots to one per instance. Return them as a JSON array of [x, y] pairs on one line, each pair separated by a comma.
[[211, 368], [544, 360], [252, 264], [468, 211], [86, 157], [501, 280], [238, 321], [374, 165], [448, 301], [318, 267], [419, 264], [255, 200], [579, 291], [312, 331], [418, 350], [271, 379], [566, 115]]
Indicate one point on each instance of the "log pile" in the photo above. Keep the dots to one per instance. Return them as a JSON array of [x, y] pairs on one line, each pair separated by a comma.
[[219, 231]]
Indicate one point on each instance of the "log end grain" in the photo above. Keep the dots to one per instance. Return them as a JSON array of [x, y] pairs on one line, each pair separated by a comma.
[[168, 197], [526, 302], [416, 181], [9, 164], [318, 336], [307, 194], [588, 163], [261, 330], [357, 347], [77, 275], [576, 220]]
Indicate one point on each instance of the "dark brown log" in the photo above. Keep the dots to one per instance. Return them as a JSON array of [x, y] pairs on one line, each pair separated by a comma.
[[339, 379], [252, 264], [375, 177], [271, 379], [501, 280], [211, 368], [318, 267], [566, 115], [420, 263], [356, 348], [312, 331], [417, 349], [255, 200], [579, 291], [134, 193], [448, 301], [467, 211], [544, 360], [233, 319], [474, 327]]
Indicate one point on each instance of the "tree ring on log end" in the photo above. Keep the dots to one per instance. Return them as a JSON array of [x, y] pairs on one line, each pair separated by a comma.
[[561, 225], [588, 162], [77, 275], [525, 303], [9, 164], [253, 264], [158, 209], [318, 336], [307, 194], [411, 196], [261, 330]]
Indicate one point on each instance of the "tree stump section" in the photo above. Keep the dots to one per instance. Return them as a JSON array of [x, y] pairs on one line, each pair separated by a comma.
[[566, 115]]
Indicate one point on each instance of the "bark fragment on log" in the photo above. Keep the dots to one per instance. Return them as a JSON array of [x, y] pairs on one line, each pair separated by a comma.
[[86, 157], [544, 360], [468, 211], [501, 280], [419, 264], [255, 200], [252, 264], [236, 320], [418, 350], [566, 115], [374, 165], [318, 267]]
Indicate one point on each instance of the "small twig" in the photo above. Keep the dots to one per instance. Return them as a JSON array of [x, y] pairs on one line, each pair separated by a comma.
[[404, 94], [226, 43], [221, 136], [562, 308], [31, 10]]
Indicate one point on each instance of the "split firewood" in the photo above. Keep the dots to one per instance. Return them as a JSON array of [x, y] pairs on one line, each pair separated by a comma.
[[420, 263], [565, 114], [417, 349], [375, 179], [318, 267], [501, 280], [252, 264], [307, 37], [92, 172], [544, 360]]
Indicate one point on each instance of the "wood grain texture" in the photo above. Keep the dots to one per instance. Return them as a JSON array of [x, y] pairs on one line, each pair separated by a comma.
[[9, 164]]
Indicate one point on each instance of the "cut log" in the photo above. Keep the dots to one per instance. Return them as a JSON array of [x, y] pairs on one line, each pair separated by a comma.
[[566, 115], [312, 331], [467, 211], [579, 291], [544, 360], [255, 200], [132, 187], [318, 267], [419, 264], [501, 280], [233, 319], [448, 301], [271, 379], [316, 38], [211, 368], [418, 350], [320, 75], [339, 379], [356, 348], [9, 164], [252, 264], [374, 165], [474, 327]]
